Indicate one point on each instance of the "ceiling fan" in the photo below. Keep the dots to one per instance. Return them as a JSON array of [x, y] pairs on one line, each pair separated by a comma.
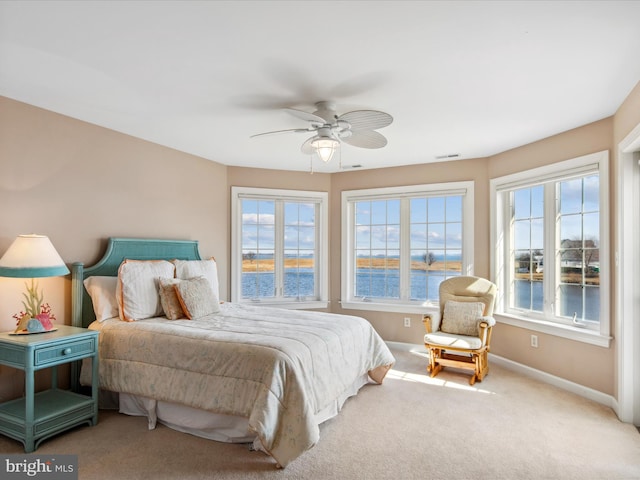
[[355, 128]]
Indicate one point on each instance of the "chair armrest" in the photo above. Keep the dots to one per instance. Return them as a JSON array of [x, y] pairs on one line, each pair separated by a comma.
[[426, 320], [484, 328], [490, 321], [431, 322]]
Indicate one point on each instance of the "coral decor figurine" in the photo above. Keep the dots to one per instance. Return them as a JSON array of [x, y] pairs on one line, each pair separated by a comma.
[[37, 316], [23, 320], [45, 317]]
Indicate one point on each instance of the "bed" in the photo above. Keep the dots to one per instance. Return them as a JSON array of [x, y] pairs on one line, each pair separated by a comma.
[[231, 372]]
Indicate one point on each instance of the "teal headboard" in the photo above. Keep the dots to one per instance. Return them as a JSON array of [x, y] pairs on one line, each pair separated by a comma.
[[119, 249]]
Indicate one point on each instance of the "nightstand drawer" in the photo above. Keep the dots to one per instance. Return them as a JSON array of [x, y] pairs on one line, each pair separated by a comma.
[[64, 352]]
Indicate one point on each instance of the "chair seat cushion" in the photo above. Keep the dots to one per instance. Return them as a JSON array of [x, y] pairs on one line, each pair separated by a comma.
[[453, 340]]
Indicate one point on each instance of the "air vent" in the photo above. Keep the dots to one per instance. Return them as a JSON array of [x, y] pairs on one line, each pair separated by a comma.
[[448, 156]]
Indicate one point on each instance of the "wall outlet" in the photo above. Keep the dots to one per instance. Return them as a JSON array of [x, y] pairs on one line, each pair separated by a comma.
[[534, 341], [407, 321]]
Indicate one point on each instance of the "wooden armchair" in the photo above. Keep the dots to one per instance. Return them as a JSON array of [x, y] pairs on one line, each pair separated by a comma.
[[461, 335]]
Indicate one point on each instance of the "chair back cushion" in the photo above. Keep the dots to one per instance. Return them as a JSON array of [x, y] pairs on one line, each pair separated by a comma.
[[462, 318], [468, 289]]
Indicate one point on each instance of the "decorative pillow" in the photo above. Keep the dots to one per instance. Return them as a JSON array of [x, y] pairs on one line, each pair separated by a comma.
[[137, 291], [169, 299], [102, 291], [461, 318], [186, 269], [197, 297]]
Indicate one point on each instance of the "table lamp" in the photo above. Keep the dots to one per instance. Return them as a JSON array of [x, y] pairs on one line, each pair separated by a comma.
[[32, 256]]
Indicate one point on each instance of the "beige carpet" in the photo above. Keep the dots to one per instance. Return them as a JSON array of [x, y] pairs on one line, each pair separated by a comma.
[[411, 427]]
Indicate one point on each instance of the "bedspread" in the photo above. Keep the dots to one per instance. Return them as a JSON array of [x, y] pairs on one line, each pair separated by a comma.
[[276, 367]]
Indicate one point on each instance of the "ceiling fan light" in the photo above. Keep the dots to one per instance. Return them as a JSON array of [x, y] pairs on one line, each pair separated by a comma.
[[325, 148]]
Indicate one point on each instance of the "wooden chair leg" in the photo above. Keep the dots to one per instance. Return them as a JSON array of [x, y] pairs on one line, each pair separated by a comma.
[[482, 366], [476, 372], [434, 367]]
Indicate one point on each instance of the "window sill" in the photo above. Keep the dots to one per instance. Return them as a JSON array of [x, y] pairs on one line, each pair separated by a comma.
[[313, 304], [391, 307], [565, 331]]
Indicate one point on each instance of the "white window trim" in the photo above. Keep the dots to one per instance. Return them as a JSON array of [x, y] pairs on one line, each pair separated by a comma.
[[322, 237], [627, 261], [498, 228], [465, 188]]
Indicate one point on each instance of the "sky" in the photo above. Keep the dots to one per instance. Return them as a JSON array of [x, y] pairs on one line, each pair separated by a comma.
[[435, 222]]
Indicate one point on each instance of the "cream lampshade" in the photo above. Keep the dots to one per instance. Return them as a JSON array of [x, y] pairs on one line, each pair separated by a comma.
[[32, 256]]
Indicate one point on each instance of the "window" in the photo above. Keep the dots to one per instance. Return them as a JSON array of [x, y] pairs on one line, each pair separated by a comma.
[[279, 253], [399, 243], [551, 238]]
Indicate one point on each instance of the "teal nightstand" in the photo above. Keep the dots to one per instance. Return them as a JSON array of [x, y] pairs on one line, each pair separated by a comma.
[[38, 416]]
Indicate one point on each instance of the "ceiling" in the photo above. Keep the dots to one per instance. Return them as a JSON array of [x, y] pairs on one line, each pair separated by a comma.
[[467, 78]]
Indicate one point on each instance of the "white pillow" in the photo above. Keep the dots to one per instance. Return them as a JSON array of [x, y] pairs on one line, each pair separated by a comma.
[[186, 269], [102, 291], [137, 291], [196, 297], [461, 318]]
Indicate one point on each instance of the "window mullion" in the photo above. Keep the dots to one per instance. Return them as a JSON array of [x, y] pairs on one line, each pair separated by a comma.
[[551, 253], [278, 261], [349, 241], [317, 256], [509, 251], [405, 250]]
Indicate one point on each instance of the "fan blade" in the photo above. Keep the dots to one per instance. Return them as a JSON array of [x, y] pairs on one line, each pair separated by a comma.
[[297, 130], [309, 117], [366, 139], [366, 119]]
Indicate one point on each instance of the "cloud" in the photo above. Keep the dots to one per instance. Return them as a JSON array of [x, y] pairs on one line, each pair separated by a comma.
[[255, 218]]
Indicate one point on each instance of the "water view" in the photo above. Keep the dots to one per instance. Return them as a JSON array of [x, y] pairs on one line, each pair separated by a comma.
[[529, 296], [380, 283]]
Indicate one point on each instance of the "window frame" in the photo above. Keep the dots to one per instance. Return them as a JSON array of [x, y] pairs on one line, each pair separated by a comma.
[[405, 305], [500, 234], [322, 242]]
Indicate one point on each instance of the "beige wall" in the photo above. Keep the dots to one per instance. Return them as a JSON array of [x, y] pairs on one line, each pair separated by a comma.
[[586, 139], [265, 178], [80, 184], [628, 115]]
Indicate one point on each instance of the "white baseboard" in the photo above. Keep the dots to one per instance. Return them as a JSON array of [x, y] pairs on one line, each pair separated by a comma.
[[407, 347], [572, 387]]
